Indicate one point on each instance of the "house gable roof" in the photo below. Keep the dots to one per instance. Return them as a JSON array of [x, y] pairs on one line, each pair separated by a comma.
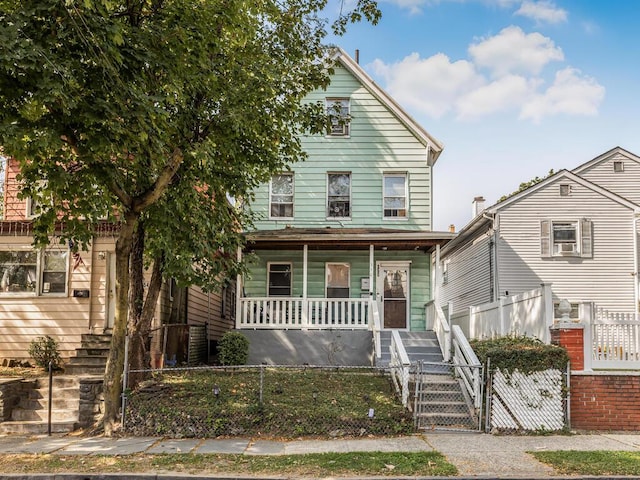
[[606, 156], [434, 147]]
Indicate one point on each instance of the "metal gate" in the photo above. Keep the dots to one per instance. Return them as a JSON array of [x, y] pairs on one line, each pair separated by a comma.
[[442, 400]]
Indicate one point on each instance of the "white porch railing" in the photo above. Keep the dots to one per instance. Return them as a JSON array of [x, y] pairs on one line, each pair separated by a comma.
[[614, 341], [467, 365], [297, 313], [437, 321], [399, 367], [376, 328]]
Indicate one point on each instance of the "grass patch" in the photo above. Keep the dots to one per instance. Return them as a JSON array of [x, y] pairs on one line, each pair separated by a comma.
[[23, 372], [293, 403], [592, 463], [318, 465]]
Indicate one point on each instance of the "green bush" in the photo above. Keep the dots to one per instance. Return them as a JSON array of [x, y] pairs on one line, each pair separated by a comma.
[[520, 353], [44, 350], [233, 349]]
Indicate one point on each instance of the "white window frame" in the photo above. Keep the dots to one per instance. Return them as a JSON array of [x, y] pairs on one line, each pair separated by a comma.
[[38, 287], [554, 248], [269, 265], [565, 190], [340, 127], [404, 217], [618, 166], [292, 195], [327, 267], [338, 217]]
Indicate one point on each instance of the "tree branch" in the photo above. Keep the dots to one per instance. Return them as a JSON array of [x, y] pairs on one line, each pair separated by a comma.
[[160, 185]]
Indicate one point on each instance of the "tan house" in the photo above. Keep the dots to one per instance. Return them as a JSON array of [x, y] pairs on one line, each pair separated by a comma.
[[70, 296]]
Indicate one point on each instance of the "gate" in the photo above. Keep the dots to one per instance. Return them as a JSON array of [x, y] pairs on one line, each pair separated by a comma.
[[442, 400]]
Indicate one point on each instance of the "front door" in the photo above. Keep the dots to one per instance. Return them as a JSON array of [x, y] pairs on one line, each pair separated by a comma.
[[392, 291]]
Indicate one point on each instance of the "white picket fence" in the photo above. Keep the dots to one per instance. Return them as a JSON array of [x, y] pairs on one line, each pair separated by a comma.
[[612, 340]]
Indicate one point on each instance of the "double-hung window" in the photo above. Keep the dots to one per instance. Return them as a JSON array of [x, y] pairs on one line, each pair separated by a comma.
[[281, 196], [562, 238], [338, 280], [395, 201], [33, 272], [279, 278], [339, 195], [338, 110]]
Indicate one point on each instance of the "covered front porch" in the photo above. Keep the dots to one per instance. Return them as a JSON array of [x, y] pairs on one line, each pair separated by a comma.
[[336, 278]]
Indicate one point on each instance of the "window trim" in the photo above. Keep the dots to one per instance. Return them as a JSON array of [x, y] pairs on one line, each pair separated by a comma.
[[269, 264], [346, 126], [583, 245], [326, 278], [293, 191], [331, 217], [617, 163], [396, 218], [38, 289], [565, 190]]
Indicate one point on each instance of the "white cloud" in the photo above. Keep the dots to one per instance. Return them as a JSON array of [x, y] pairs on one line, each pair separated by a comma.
[[572, 93], [430, 85], [506, 93], [513, 51], [542, 11]]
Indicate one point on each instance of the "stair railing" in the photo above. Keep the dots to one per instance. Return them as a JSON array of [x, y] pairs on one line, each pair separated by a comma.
[[467, 365], [442, 328], [400, 367], [376, 327]]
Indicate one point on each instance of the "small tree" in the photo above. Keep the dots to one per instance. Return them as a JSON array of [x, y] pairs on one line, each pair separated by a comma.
[[44, 350], [233, 349]]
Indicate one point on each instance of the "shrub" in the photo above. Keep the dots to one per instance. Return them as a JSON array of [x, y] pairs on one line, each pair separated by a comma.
[[233, 349], [520, 353], [44, 350]]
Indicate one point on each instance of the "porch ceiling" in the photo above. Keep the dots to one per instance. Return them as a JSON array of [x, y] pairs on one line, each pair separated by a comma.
[[346, 239]]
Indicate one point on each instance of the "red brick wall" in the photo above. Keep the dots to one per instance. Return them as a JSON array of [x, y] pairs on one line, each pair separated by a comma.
[[573, 340], [605, 402]]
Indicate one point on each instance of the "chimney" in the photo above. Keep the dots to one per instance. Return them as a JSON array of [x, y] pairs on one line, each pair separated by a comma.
[[452, 228], [357, 56], [477, 206]]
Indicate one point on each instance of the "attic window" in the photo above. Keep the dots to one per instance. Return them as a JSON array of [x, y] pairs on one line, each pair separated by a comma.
[[338, 110], [618, 166], [565, 190]]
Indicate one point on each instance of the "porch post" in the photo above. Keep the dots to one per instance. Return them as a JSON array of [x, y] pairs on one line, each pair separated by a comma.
[[305, 303], [238, 292]]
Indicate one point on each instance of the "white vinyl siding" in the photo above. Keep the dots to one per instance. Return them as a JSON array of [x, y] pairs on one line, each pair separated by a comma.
[[603, 275], [624, 183]]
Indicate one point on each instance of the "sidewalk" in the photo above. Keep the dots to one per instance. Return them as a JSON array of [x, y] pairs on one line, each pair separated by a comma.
[[473, 454]]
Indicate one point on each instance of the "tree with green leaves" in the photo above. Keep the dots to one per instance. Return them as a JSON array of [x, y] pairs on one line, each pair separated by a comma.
[[156, 112], [524, 185]]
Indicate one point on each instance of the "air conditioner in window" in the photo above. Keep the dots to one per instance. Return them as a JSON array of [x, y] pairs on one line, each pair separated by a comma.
[[566, 248]]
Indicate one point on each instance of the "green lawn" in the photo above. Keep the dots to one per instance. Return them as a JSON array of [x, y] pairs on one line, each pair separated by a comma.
[[591, 463]]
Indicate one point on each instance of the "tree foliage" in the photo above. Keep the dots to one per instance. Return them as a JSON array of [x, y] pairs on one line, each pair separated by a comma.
[[154, 112], [524, 185]]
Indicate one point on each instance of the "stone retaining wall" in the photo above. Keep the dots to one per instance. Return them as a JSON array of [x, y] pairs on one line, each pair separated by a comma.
[[91, 402], [11, 390]]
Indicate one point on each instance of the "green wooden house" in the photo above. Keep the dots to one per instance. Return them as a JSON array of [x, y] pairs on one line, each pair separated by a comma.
[[343, 245]]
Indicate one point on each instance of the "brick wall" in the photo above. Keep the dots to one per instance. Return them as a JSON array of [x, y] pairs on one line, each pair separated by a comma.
[[605, 401], [572, 339]]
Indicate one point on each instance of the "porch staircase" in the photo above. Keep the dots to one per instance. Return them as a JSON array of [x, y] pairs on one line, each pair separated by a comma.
[[30, 416], [91, 357], [437, 398]]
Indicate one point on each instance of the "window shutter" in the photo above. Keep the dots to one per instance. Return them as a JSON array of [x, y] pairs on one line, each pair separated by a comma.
[[586, 238], [545, 238]]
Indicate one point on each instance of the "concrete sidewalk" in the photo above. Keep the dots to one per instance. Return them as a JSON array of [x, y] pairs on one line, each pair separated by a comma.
[[473, 454]]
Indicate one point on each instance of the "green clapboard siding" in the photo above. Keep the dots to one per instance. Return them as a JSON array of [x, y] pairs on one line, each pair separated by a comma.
[[379, 143], [256, 283]]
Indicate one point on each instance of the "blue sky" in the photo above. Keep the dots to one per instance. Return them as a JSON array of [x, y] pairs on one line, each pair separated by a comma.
[[512, 88]]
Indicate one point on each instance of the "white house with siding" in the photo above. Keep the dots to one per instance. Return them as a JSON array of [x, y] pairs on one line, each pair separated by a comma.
[[576, 232]]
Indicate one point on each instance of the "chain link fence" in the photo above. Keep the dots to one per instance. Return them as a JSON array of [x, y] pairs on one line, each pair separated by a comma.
[[269, 401]]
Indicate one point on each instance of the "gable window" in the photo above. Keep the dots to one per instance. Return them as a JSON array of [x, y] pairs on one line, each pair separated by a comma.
[[33, 272], [395, 195], [565, 190], [618, 166], [281, 196], [338, 280], [339, 195], [279, 279], [338, 110], [571, 238]]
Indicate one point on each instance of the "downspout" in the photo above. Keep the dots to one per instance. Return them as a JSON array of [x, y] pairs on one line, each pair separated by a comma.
[[636, 274]]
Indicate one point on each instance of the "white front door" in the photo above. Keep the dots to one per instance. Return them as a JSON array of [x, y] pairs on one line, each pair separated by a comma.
[[392, 293]]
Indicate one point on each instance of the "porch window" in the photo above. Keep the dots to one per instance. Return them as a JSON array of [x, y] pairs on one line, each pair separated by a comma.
[[281, 196], [279, 279], [395, 195], [339, 195], [338, 280], [33, 272], [566, 238], [338, 112]]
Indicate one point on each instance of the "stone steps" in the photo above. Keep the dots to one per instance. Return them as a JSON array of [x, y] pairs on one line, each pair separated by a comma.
[[91, 357]]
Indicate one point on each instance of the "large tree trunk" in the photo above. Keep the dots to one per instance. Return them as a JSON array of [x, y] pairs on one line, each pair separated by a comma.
[[115, 361]]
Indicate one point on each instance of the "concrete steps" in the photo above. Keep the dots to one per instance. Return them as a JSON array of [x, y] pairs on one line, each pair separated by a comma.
[[31, 414], [420, 346], [91, 357], [440, 402]]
